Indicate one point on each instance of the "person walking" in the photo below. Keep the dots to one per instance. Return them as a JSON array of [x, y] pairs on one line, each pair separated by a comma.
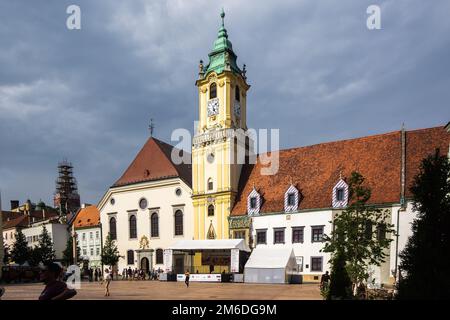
[[107, 281], [324, 281], [186, 280]]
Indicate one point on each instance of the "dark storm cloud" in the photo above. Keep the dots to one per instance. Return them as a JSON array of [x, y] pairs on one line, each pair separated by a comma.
[[316, 72]]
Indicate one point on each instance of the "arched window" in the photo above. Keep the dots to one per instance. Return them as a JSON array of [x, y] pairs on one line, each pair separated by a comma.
[[178, 223], [210, 210], [237, 94], [133, 229], [213, 91], [154, 228], [112, 228], [210, 184], [130, 257], [159, 256]]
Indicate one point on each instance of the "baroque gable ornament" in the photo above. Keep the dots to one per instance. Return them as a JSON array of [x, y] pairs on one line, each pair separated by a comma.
[[144, 243]]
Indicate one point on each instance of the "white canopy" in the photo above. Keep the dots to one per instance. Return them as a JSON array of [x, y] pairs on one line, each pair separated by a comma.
[[210, 245], [271, 258]]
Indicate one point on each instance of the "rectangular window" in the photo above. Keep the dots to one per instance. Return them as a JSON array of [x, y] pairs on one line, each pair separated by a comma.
[[317, 234], [297, 235], [92, 251], [97, 251], [84, 252], [239, 234], [316, 264], [340, 194], [291, 199], [381, 232], [91, 235], [278, 235], [97, 235], [368, 230], [253, 202], [84, 236], [299, 260], [261, 237]]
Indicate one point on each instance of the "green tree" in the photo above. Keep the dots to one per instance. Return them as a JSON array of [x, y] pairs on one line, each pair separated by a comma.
[[6, 254], [20, 253], [110, 253], [45, 247], [360, 234], [68, 252], [426, 257], [340, 284]]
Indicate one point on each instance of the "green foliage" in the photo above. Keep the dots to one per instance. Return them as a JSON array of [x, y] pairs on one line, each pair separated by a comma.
[[340, 284], [110, 253], [6, 254], [45, 247], [426, 257], [20, 251], [68, 252], [360, 233]]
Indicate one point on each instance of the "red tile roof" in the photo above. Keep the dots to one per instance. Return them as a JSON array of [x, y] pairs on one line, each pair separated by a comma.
[[19, 219], [153, 162], [87, 217], [315, 170]]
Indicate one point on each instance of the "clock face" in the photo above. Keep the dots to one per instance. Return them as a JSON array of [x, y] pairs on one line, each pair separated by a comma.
[[237, 108], [213, 107]]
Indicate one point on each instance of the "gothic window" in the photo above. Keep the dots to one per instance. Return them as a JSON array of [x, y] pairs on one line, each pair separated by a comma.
[[130, 257], [210, 210], [210, 184], [178, 223], [213, 91], [159, 256], [291, 199], [133, 227], [112, 228], [154, 225], [340, 194], [237, 94]]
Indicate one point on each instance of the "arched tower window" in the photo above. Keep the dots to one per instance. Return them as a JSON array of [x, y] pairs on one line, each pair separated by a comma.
[[213, 91], [112, 228], [133, 227], [154, 225], [210, 184], [237, 94], [210, 210]]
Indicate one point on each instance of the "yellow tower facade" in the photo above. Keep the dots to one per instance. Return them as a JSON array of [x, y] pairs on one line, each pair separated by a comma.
[[220, 145]]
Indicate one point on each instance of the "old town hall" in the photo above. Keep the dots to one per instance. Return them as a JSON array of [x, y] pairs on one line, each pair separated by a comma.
[[215, 215]]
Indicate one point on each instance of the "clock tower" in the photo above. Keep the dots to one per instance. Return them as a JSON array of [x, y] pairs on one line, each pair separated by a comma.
[[220, 144]]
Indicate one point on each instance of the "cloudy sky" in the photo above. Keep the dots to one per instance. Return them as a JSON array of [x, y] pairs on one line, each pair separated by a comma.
[[316, 71]]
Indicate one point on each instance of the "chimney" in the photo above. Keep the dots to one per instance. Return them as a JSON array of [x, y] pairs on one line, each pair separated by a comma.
[[14, 204]]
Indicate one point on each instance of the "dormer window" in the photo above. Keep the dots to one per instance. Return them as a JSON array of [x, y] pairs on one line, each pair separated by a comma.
[[213, 91], [253, 202], [340, 194], [291, 199]]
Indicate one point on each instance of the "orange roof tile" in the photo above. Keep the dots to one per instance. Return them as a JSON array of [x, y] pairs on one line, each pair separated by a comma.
[[153, 162], [315, 170], [87, 217]]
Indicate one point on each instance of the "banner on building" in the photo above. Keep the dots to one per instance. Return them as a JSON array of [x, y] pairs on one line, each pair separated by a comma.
[[196, 277], [167, 260], [234, 260]]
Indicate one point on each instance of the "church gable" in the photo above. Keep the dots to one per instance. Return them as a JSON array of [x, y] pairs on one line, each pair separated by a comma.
[[153, 162]]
